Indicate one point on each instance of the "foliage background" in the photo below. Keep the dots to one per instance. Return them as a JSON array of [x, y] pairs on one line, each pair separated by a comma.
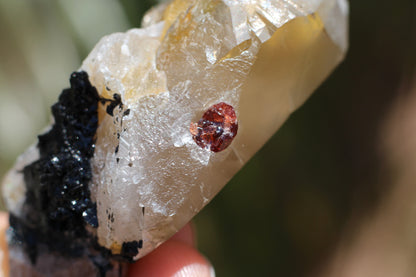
[[284, 213]]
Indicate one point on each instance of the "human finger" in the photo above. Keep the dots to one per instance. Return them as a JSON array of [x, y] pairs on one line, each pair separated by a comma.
[[175, 258]]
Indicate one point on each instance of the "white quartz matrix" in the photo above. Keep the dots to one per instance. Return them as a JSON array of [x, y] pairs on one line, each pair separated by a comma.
[[263, 57]]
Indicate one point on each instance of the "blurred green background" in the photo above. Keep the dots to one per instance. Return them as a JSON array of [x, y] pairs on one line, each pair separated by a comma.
[[284, 213]]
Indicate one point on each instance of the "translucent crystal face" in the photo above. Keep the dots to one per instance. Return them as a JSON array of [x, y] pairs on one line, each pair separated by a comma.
[[156, 162]]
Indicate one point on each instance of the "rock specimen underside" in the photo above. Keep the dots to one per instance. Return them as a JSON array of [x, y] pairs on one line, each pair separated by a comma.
[[156, 121]]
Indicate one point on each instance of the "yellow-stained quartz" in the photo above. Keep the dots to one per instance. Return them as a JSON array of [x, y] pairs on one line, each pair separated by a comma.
[[289, 67]]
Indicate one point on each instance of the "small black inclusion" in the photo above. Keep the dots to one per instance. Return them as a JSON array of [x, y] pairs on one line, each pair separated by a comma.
[[126, 112], [130, 249], [58, 205], [113, 103]]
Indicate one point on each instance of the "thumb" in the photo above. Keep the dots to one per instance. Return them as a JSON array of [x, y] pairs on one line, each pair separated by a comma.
[[174, 258]]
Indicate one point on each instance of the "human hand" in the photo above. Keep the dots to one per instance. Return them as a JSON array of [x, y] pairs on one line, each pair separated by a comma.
[[177, 257]]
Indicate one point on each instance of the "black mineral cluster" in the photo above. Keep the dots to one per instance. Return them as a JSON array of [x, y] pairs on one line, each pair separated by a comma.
[[58, 207]]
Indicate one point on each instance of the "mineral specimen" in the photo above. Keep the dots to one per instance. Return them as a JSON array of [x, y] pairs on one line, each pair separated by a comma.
[[123, 166]]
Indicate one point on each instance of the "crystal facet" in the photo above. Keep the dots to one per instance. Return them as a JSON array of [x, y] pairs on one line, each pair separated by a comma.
[[225, 59]]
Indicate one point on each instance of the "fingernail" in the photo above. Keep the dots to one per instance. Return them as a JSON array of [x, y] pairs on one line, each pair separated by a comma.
[[196, 270]]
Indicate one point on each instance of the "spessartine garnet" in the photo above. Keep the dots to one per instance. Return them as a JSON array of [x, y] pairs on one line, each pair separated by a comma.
[[216, 129]]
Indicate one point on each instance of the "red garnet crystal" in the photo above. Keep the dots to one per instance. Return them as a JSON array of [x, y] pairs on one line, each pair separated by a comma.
[[216, 129]]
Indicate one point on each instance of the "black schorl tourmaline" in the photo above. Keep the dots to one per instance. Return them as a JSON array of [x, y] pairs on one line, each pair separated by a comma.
[[58, 207]]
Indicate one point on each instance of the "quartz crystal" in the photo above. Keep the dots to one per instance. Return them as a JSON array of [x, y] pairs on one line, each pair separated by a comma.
[[155, 163]]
